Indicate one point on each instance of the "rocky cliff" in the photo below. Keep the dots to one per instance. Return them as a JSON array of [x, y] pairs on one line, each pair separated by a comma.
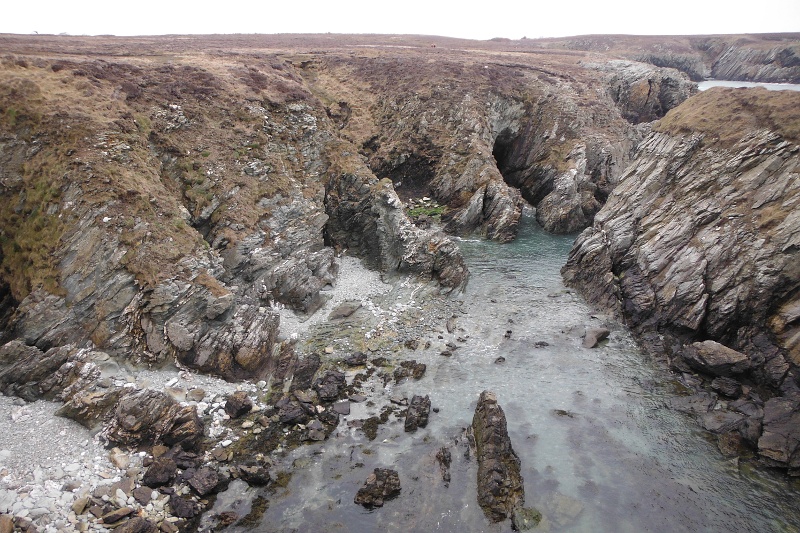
[[699, 243], [753, 57], [162, 208]]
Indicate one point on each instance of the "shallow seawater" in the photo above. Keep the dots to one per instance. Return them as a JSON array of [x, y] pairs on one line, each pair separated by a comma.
[[707, 84], [600, 449]]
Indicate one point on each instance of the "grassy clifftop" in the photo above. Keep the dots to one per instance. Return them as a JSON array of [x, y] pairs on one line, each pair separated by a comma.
[[726, 115]]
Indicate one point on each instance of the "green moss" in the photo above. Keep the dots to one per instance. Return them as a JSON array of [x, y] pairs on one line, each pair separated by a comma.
[[435, 211]]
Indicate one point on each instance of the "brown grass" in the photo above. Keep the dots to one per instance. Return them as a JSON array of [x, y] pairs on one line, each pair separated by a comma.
[[726, 115]]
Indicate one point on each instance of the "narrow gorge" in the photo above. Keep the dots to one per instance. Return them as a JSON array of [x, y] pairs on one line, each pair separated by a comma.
[[219, 254]]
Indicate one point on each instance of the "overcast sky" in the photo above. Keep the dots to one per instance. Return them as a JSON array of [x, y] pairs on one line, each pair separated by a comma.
[[484, 20]]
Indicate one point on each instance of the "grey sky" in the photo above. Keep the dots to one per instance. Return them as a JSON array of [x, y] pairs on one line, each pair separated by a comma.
[[477, 20]]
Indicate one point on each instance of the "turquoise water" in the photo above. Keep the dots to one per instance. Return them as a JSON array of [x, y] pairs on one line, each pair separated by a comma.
[[600, 450]]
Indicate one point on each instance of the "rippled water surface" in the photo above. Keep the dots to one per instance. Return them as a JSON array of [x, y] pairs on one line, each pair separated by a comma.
[[600, 451]]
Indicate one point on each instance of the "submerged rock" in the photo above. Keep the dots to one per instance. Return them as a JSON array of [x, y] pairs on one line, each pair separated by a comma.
[[383, 484], [500, 487]]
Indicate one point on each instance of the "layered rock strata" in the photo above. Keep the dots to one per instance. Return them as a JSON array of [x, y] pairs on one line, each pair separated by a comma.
[[697, 248]]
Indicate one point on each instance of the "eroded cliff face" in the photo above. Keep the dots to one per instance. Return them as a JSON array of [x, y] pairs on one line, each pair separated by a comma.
[[699, 242], [482, 133], [161, 208], [161, 213]]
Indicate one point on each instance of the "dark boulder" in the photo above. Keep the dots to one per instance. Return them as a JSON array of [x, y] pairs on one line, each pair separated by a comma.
[[383, 484], [357, 359], [500, 487], [330, 385], [205, 481], [183, 507], [304, 372], [418, 411], [160, 472], [238, 404]]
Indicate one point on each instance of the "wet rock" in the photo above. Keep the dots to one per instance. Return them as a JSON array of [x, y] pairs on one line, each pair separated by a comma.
[[695, 404], [370, 427], [716, 359], [722, 421], [500, 487], [409, 369], [330, 385], [594, 336], [137, 524], [238, 404], [417, 414], [183, 507], [254, 474], [383, 484], [160, 472]]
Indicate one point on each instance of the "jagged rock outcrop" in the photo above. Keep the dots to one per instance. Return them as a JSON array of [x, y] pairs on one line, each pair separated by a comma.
[[643, 92], [752, 57], [738, 61], [500, 487], [700, 242]]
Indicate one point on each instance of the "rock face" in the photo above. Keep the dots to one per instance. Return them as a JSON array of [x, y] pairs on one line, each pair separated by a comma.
[[698, 245], [500, 487], [644, 92]]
